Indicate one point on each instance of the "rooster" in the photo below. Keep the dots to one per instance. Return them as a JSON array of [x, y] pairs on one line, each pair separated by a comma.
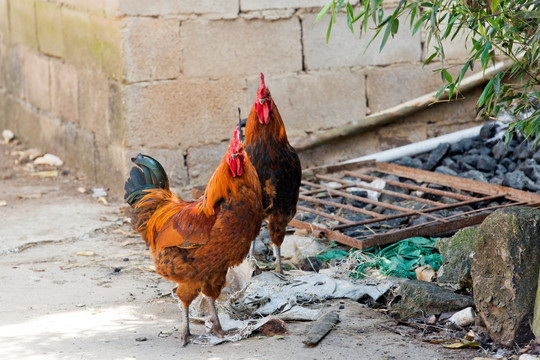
[[277, 165], [193, 243]]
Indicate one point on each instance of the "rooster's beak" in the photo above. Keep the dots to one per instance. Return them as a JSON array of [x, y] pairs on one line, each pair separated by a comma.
[[234, 156]]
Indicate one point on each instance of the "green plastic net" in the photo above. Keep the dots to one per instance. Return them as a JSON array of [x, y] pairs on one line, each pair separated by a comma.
[[401, 258]]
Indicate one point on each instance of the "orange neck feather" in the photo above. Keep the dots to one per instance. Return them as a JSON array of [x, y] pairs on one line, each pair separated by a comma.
[[274, 128]]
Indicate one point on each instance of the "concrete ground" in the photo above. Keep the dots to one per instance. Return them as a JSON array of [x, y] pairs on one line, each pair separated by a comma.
[[77, 283]]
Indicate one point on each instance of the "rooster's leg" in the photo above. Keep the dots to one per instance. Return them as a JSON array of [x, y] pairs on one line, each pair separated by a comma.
[[277, 254], [185, 331], [216, 324]]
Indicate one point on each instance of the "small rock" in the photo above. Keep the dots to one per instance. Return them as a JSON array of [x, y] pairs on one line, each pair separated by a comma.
[[499, 150], [410, 162], [516, 179], [311, 263], [528, 357], [457, 252], [29, 155], [81, 190], [445, 170], [3, 203], [486, 163], [8, 135], [474, 175], [436, 156], [49, 159], [140, 339], [488, 130]]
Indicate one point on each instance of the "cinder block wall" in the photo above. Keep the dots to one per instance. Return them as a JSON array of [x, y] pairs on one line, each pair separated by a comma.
[[96, 81]]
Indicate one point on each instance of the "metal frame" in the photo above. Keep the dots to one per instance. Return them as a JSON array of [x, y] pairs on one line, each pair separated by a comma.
[[459, 191]]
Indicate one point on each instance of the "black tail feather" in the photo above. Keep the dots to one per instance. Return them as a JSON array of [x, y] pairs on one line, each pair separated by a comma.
[[148, 174]]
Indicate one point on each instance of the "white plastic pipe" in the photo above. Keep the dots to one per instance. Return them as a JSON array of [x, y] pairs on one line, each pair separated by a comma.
[[419, 147]]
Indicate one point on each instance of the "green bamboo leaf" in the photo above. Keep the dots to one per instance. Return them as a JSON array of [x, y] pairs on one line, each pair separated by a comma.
[[329, 31], [431, 57], [447, 76], [486, 94], [385, 36], [494, 4], [323, 11], [395, 27], [441, 90], [485, 54]]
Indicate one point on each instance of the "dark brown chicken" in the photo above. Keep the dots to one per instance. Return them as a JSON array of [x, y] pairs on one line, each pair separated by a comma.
[[195, 242], [277, 165]]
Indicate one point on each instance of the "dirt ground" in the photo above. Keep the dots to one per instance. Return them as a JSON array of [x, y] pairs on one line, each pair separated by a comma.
[[77, 284]]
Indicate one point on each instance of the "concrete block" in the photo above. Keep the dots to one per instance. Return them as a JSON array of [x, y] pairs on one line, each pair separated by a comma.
[[79, 39], [347, 49], [3, 60], [112, 7], [13, 71], [80, 149], [225, 48], [185, 113], [23, 22], [250, 5], [202, 161], [315, 101], [27, 125], [107, 45], [4, 22], [152, 49], [215, 9], [64, 91], [93, 100], [36, 80], [53, 136], [49, 28]]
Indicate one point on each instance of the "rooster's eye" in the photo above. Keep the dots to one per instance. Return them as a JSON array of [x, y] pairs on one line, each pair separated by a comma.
[[261, 101]]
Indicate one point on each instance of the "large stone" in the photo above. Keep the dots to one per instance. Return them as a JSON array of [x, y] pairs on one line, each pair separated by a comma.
[[36, 80], [168, 114], [152, 49], [23, 22], [457, 253], [418, 299], [305, 103], [276, 45], [346, 49], [49, 28], [505, 273], [64, 91]]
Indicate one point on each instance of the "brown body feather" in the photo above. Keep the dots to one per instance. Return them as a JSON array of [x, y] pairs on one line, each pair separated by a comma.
[[278, 168], [195, 242]]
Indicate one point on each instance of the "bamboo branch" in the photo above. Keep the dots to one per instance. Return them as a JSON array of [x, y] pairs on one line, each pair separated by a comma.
[[396, 112]]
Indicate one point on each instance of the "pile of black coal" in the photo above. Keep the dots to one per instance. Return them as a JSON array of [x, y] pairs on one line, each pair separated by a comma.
[[485, 158]]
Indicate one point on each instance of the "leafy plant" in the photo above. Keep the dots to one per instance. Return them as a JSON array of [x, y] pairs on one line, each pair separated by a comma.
[[491, 28]]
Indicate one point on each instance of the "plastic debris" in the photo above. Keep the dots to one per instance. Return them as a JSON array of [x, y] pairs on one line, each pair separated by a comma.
[[426, 273], [43, 174], [3, 203], [400, 259], [49, 159], [8, 135], [463, 318], [98, 192]]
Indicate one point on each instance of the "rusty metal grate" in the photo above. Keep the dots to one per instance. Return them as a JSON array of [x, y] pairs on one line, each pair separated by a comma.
[[334, 201]]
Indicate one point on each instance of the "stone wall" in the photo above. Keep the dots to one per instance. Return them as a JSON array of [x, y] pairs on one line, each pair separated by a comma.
[[97, 81]]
